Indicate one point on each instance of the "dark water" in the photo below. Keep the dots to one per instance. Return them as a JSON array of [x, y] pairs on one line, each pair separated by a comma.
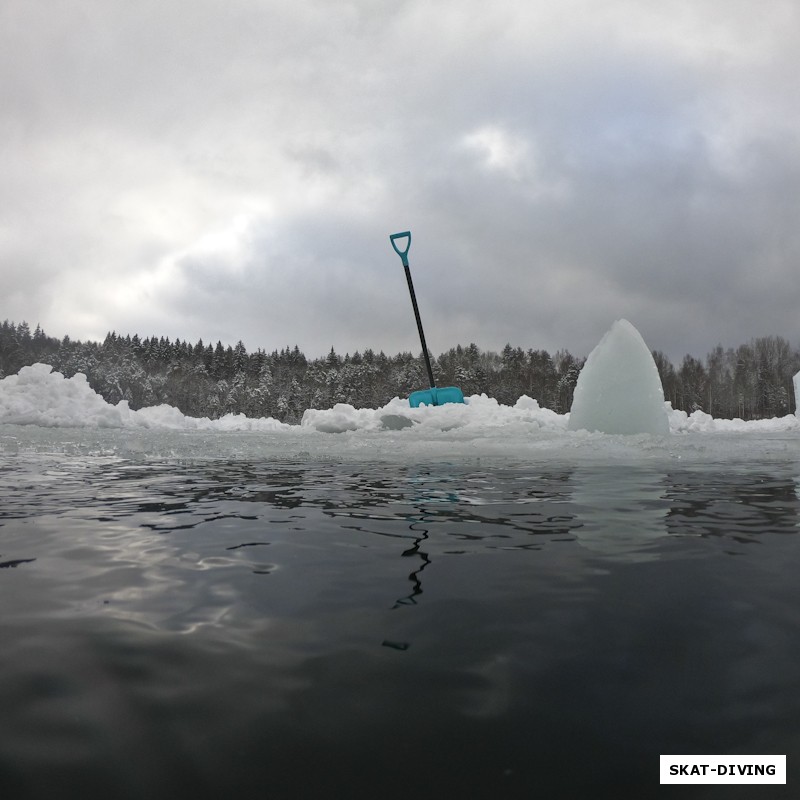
[[284, 629]]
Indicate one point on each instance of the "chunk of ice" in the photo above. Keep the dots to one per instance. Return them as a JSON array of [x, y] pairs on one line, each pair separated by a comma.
[[619, 389], [796, 382]]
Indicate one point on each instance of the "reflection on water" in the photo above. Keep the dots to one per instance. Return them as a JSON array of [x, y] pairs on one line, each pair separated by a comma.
[[740, 504], [620, 518], [382, 630], [238, 515], [416, 552]]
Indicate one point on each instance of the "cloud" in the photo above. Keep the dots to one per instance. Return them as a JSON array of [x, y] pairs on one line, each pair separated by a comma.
[[234, 172]]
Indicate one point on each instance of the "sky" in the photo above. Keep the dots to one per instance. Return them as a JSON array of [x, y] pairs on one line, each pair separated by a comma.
[[232, 169]]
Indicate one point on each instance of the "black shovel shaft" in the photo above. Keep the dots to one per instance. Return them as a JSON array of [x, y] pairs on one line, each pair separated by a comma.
[[419, 327]]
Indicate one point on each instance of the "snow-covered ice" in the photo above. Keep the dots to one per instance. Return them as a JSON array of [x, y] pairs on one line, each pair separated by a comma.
[[619, 389], [42, 410]]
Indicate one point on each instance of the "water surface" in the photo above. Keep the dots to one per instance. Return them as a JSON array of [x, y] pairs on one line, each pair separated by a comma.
[[298, 627]]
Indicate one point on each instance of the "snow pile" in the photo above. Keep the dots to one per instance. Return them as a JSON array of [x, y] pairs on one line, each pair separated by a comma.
[[700, 422], [479, 413], [39, 396], [619, 389]]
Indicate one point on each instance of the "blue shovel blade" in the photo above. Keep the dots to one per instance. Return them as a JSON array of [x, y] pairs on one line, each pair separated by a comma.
[[436, 397]]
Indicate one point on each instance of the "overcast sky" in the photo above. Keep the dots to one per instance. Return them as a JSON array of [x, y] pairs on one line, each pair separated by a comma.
[[232, 169]]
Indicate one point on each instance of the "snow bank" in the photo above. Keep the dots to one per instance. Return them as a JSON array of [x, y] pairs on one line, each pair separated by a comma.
[[700, 422], [479, 413], [37, 396]]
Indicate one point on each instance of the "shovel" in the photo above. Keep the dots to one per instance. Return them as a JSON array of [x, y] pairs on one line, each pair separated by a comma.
[[434, 396]]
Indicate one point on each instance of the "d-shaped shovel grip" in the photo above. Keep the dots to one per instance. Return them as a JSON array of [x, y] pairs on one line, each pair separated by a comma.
[[402, 253]]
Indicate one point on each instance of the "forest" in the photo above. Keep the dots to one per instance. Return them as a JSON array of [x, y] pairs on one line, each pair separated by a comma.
[[752, 381]]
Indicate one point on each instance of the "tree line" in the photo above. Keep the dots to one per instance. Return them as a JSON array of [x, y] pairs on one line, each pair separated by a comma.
[[204, 380]]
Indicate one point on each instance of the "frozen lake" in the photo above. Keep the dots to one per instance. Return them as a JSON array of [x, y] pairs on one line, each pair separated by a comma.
[[392, 614]]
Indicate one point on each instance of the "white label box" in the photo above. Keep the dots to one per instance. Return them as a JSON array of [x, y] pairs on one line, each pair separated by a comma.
[[723, 769]]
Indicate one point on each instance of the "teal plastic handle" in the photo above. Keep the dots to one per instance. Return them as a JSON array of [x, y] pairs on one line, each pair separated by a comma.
[[402, 253]]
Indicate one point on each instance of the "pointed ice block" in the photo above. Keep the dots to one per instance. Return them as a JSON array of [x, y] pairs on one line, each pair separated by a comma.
[[619, 389], [796, 383]]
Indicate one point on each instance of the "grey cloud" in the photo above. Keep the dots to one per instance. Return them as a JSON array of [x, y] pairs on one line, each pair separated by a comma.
[[559, 168]]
